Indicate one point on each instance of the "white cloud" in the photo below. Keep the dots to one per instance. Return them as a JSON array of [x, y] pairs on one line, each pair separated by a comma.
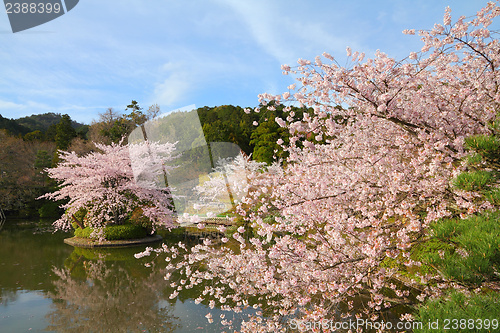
[[104, 54], [268, 30], [289, 33], [10, 105], [176, 86]]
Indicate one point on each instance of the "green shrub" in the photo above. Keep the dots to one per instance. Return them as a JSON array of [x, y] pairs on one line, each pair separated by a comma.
[[136, 217], [474, 159], [49, 209], [481, 308], [178, 233], [115, 232], [83, 233], [467, 251], [80, 214], [125, 231]]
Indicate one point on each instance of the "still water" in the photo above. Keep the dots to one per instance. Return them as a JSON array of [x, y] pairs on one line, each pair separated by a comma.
[[48, 286]]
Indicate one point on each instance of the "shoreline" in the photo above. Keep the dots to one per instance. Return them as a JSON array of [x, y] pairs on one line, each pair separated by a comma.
[[90, 243]]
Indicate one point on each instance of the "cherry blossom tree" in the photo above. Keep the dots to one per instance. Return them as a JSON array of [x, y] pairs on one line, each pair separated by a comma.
[[228, 181], [366, 175], [104, 186]]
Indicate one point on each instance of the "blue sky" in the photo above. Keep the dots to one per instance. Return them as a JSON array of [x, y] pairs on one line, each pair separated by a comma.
[[175, 53]]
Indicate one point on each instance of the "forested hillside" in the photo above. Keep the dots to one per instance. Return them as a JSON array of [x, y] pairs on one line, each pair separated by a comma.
[[42, 122], [30, 144], [12, 126], [36, 122]]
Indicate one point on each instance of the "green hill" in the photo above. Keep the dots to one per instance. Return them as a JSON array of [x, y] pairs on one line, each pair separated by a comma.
[[42, 122], [36, 122], [13, 127]]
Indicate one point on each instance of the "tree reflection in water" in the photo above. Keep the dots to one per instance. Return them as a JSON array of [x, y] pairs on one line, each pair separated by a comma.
[[99, 295]]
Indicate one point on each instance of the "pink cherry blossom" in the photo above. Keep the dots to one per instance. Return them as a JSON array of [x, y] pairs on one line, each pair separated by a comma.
[[324, 221], [103, 184]]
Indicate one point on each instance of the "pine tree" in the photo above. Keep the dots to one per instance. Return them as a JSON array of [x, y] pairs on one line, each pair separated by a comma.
[[64, 133], [468, 253]]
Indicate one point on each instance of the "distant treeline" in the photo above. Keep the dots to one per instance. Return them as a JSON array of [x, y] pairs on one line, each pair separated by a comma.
[[28, 145], [44, 123]]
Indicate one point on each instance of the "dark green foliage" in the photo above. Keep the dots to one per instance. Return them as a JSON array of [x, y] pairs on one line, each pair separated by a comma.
[[124, 231], [486, 146], [43, 159], [21, 179], [267, 133], [64, 133], [35, 135], [462, 313], [82, 131], [118, 130], [468, 250], [115, 232], [49, 209], [264, 139], [228, 123], [472, 255], [50, 133], [13, 127], [42, 122], [473, 181], [175, 234], [39, 127]]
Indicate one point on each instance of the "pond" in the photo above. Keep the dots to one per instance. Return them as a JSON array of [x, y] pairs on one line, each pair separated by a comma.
[[49, 286]]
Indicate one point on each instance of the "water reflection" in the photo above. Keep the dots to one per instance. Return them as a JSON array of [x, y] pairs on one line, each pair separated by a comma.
[[49, 286], [28, 251], [102, 295]]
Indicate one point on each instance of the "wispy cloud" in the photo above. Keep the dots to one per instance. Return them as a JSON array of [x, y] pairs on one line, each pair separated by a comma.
[[10, 105], [178, 82], [282, 32], [106, 53]]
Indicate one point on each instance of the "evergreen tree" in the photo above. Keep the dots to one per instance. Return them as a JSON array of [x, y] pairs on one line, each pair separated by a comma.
[[50, 133], [136, 116], [467, 250], [64, 133]]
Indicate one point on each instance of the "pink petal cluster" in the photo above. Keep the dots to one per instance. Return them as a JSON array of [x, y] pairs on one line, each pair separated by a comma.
[[393, 139], [103, 184]]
